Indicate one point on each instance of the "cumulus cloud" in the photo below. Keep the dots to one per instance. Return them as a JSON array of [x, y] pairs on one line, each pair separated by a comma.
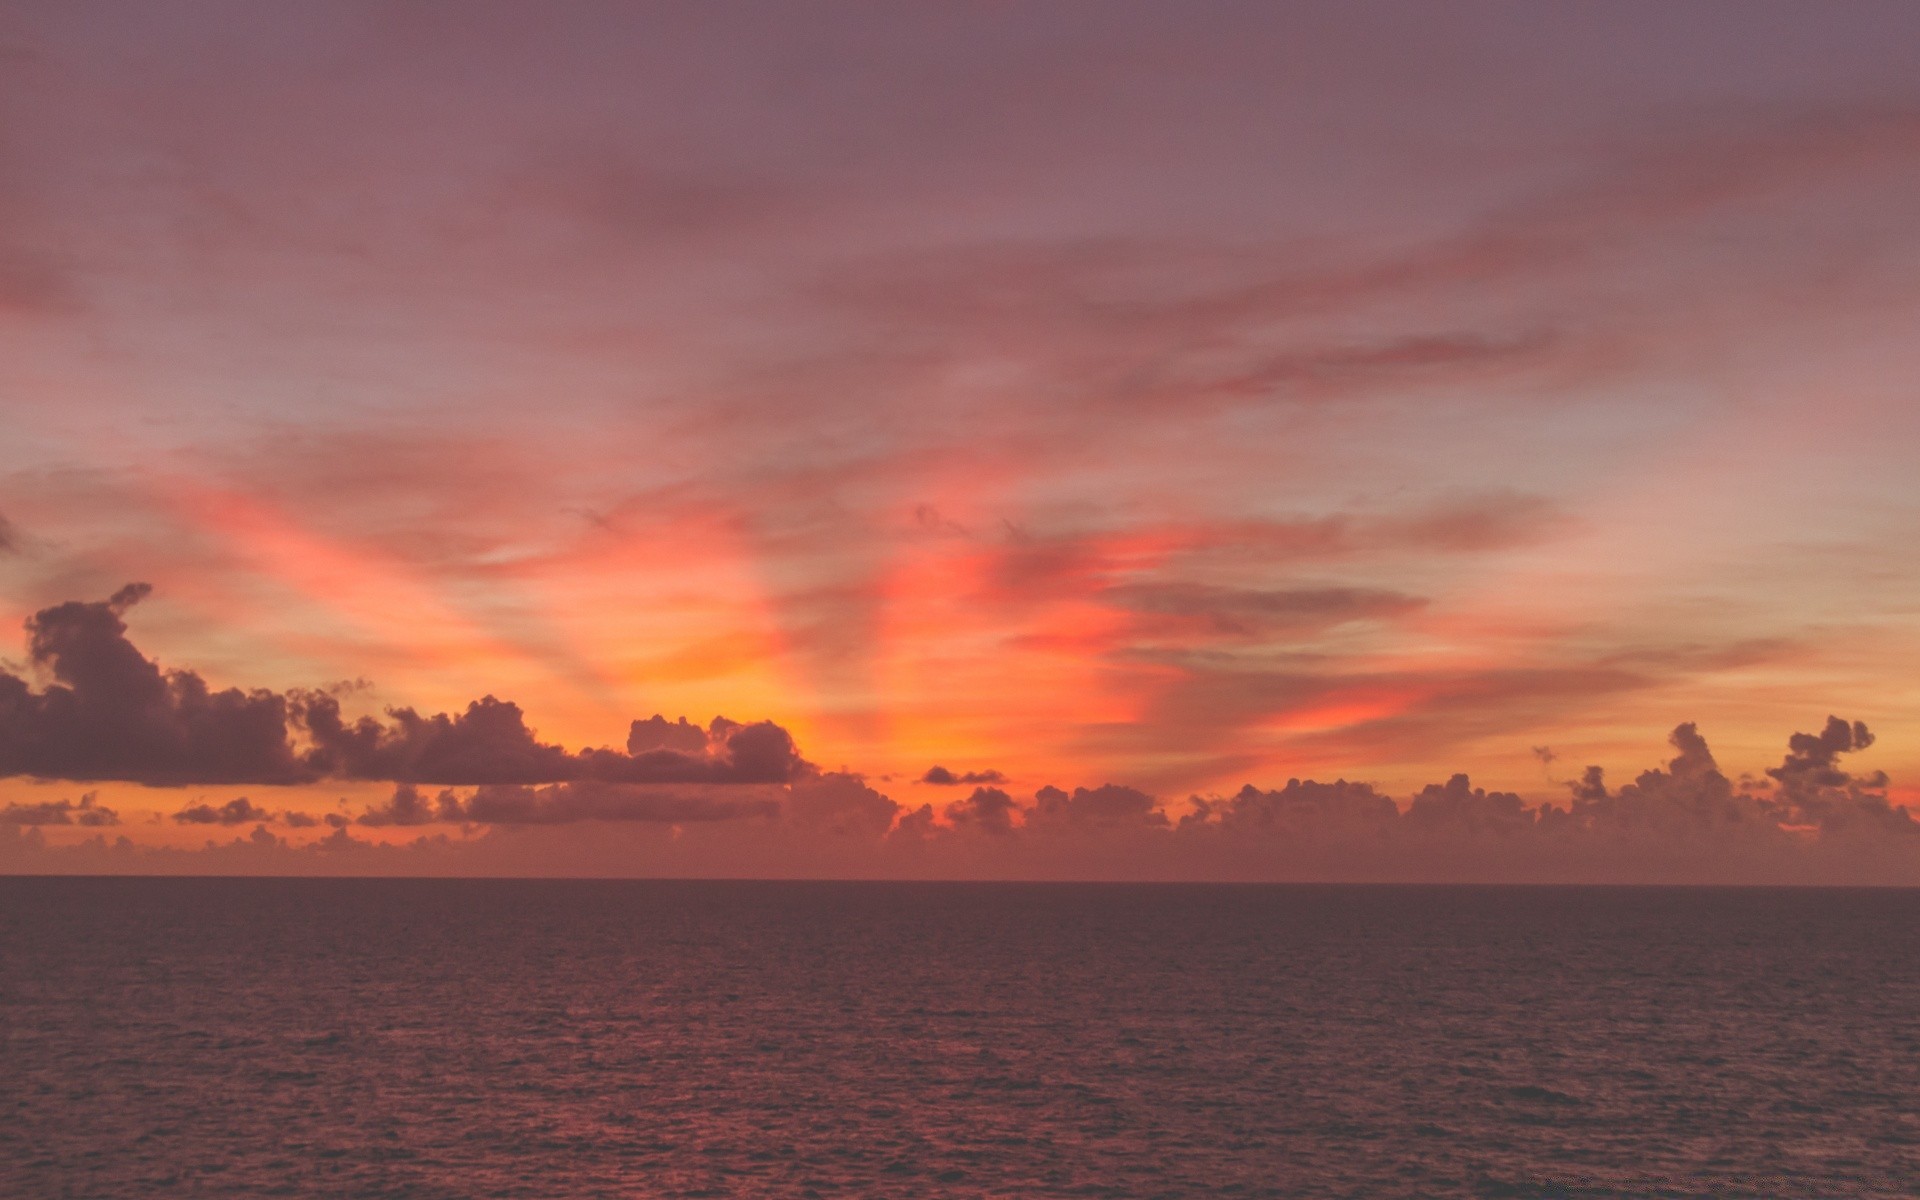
[[941, 777], [1683, 821], [841, 803], [1687, 816], [1109, 806], [407, 806], [1814, 790], [113, 714], [658, 733], [89, 811], [1301, 809], [1693, 802], [989, 810], [238, 811], [491, 744]]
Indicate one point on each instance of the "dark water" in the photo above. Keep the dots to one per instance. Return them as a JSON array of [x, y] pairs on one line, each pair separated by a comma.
[[412, 1038]]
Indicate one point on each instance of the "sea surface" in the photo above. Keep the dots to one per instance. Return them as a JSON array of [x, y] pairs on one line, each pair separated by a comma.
[[184, 1038]]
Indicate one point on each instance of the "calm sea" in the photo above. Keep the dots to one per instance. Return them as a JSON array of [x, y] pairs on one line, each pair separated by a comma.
[[559, 1039]]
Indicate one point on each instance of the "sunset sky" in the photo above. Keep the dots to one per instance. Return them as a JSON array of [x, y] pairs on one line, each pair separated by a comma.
[[1173, 397]]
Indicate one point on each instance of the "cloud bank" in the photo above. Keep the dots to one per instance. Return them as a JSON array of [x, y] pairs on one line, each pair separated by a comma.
[[1809, 820], [111, 714], [489, 795]]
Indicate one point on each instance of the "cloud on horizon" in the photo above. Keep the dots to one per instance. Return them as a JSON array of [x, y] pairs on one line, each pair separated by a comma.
[[1810, 820], [60, 812], [238, 811], [732, 796], [940, 776], [112, 714]]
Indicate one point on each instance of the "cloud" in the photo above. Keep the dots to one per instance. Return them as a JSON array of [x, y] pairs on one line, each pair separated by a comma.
[[491, 743], [1457, 809], [841, 803], [1341, 370], [1248, 612], [407, 806], [989, 810], [239, 811], [1686, 817], [941, 777], [1340, 810], [1684, 821], [9, 538], [60, 812], [1814, 789], [113, 714], [1490, 521], [1106, 807], [657, 733]]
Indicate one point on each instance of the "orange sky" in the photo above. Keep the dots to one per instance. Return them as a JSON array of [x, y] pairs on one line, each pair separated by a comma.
[[1176, 399]]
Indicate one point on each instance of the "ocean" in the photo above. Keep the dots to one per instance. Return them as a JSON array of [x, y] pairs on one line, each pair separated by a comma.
[[435, 1038]]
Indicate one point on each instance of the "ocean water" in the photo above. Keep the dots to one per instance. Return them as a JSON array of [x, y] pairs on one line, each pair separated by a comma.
[[182, 1038]]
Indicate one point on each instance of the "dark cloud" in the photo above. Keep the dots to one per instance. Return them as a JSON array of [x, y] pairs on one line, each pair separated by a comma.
[[657, 733], [1108, 806], [1458, 809], [294, 819], [941, 777], [338, 842], [113, 714], [1813, 789], [60, 812], [1340, 810], [9, 540], [1688, 801], [407, 806], [1689, 808], [491, 743], [239, 811], [1684, 821], [989, 810], [840, 803]]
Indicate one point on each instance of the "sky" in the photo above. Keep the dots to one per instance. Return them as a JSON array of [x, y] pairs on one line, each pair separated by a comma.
[[999, 440]]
